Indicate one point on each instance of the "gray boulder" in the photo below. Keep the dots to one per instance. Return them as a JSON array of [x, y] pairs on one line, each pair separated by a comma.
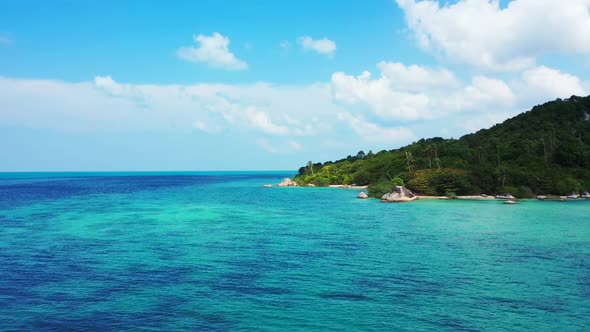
[[363, 195], [287, 182], [399, 194]]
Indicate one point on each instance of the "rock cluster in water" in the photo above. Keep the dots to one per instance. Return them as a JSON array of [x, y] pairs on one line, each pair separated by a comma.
[[399, 194], [363, 195], [287, 182]]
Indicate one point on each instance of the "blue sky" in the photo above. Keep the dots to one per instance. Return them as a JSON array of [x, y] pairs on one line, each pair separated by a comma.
[[136, 42], [226, 85]]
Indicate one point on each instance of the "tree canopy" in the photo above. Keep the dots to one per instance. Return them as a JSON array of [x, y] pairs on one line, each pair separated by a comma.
[[543, 151]]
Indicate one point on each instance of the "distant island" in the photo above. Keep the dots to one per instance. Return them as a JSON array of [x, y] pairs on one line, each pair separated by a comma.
[[543, 151]]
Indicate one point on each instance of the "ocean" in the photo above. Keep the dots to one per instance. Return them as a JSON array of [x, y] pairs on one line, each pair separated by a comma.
[[215, 251]]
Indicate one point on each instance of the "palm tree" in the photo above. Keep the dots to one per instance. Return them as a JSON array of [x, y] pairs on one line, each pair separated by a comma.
[[428, 149], [409, 161], [310, 166], [436, 159]]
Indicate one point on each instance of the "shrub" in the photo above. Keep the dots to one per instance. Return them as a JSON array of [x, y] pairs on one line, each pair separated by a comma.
[[397, 181], [361, 177], [509, 190], [419, 182], [450, 181], [567, 186], [380, 188], [524, 192], [451, 195], [321, 181]]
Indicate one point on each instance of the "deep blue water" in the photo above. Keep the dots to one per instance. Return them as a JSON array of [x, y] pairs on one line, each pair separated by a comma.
[[215, 251]]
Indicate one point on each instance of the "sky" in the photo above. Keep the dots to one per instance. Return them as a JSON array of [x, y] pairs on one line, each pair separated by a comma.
[[269, 85]]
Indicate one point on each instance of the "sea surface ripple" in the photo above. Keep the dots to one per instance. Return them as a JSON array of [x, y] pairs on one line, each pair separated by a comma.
[[217, 252]]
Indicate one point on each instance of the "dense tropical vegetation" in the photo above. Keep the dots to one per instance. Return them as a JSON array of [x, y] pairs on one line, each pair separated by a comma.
[[542, 151]]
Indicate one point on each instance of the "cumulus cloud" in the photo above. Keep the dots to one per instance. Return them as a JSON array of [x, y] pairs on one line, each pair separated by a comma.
[[417, 78], [262, 121], [409, 93], [485, 91], [109, 85], [212, 50], [348, 110], [552, 83], [372, 132], [323, 46], [483, 34], [379, 97], [472, 124], [405, 93], [106, 105]]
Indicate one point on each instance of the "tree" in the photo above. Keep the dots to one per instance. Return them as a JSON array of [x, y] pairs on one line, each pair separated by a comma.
[[310, 166], [409, 162], [397, 181], [429, 149], [436, 159], [546, 150]]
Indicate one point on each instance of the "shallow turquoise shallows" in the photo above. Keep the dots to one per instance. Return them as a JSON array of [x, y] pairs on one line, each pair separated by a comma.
[[216, 251]]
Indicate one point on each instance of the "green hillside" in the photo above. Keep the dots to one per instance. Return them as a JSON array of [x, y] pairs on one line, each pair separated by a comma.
[[543, 151]]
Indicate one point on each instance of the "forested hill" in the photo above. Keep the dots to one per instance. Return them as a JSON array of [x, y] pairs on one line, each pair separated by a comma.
[[543, 151]]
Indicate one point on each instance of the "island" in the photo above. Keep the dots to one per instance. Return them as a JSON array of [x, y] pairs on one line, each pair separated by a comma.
[[544, 151]]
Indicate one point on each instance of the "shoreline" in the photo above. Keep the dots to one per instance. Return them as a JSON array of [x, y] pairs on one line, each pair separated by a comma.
[[342, 186], [444, 198]]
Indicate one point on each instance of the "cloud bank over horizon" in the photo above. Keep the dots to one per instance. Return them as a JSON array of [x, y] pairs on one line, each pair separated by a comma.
[[386, 108]]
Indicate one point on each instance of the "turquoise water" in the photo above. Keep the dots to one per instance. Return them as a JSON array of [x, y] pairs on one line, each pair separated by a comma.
[[215, 251]]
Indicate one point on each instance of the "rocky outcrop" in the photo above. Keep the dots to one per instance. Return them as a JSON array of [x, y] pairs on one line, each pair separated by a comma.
[[311, 185], [363, 195], [399, 194], [287, 182]]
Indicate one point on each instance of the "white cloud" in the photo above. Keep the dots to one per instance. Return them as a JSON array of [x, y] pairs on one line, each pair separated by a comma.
[[262, 121], [214, 51], [472, 124], [349, 110], [416, 78], [375, 133], [379, 97], [552, 83], [396, 95], [485, 91], [483, 34], [409, 93], [285, 45], [109, 85], [322, 46], [107, 105]]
